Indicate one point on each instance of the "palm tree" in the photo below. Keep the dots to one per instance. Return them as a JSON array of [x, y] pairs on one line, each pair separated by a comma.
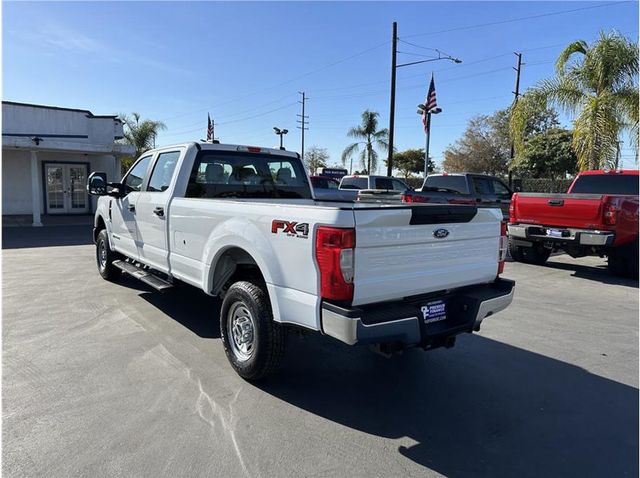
[[140, 134], [369, 134], [599, 89]]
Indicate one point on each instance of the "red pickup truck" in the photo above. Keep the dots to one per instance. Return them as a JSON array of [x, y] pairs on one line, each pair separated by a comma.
[[597, 216]]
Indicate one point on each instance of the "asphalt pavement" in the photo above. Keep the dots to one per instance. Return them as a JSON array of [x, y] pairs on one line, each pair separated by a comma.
[[114, 379]]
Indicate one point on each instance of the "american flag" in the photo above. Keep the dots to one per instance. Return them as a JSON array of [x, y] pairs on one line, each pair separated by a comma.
[[429, 104], [209, 129]]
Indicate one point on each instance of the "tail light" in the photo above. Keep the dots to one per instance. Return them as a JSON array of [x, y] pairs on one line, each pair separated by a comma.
[[512, 209], [610, 211], [411, 199], [503, 245], [334, 255]]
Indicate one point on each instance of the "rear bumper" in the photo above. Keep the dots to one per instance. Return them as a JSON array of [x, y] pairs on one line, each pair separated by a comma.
[[585, 237], [402, 321]]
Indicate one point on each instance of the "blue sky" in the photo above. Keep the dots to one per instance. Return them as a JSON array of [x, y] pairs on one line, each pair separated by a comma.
[[245, 62]]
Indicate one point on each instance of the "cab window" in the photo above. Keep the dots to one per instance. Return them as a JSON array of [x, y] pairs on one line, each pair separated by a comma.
[[137, 175], [163, 171]]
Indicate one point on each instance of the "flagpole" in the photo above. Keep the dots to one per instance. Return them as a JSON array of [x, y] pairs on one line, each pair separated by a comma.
[[426, 149]]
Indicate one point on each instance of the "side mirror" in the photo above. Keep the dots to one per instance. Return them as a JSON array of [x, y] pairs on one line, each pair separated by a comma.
[[97, 184]]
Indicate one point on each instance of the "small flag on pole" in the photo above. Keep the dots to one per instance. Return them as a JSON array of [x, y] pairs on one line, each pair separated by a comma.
[[429, 104], [209, 129]]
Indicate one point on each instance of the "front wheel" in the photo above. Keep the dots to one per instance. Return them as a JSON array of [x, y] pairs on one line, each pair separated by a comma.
[[105, 257], [253, 342]]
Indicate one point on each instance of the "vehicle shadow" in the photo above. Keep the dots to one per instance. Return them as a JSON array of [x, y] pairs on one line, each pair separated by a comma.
[[595, 273], [188, 306], [482, 409], [27, 237]]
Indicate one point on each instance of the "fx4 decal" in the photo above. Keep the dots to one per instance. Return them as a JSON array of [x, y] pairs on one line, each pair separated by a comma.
[[290, 228]]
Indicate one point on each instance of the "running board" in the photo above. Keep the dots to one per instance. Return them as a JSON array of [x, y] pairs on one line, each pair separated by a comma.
[[144, 276]]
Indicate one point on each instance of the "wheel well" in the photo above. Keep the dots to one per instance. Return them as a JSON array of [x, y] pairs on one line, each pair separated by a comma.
[[233, 265], [99, 227]]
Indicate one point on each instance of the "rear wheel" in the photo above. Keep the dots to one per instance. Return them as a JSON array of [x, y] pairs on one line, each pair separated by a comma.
[[515, 251], [253, 342], [535, 254], [105, 257]]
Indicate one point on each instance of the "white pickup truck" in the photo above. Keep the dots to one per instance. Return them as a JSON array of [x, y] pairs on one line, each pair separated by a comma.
[[241, 223]]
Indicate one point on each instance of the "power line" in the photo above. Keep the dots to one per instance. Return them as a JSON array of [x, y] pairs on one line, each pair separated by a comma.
[[518, 19], [329, 65], [235, 121]]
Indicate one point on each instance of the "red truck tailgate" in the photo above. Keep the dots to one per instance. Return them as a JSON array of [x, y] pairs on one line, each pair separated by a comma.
[[582, 211]]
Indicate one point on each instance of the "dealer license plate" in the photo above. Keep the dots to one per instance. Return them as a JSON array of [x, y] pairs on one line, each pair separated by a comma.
[[434, 311], [554, 233]]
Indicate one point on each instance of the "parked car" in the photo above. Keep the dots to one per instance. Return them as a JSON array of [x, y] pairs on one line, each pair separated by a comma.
[[327, 188], [597, 216], [240, 223], [484, 190], [359, 182]]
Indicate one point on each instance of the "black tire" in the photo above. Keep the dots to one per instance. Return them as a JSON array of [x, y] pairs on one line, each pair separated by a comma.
[[264, 340], [623, 261], [535, 254], [515, 251], [105, 257]]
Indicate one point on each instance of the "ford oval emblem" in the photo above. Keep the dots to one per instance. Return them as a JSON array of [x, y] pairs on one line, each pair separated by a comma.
[[440, 233]]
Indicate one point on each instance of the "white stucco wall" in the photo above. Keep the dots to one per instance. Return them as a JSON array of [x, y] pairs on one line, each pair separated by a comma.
[[16, 182]]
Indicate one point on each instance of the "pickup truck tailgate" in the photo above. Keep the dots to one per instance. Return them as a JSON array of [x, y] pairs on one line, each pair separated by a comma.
[[566, 210], [408, 251]]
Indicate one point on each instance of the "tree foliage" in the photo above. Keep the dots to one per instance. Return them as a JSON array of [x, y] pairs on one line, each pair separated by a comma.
[[139, 134], [598, 85], [548, 154], [483, 148], [370, 138], [316, 158], [410, 161]]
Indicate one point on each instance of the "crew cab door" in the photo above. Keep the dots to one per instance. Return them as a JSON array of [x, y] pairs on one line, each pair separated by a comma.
[[122, 210], [152, 211]]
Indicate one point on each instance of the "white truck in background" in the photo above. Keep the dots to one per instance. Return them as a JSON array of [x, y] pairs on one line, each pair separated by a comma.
[[241, 223]]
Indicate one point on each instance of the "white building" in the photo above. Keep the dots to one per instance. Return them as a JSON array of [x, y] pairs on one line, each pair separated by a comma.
[[47, 154]]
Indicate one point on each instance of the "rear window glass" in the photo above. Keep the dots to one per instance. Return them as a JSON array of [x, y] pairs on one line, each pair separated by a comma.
[[353, 183], [606, 184], [455, 183], [218, 174], [324, 183]]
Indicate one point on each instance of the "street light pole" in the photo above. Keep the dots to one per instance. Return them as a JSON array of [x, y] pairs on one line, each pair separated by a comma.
[[392, 105], [281, 133]]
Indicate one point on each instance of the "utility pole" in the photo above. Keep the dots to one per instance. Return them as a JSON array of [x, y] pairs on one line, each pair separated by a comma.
[[392, 106], [515, 102], [303, 122]]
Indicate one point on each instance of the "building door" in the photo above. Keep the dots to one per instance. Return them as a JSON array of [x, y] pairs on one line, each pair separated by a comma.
[[66, 188]]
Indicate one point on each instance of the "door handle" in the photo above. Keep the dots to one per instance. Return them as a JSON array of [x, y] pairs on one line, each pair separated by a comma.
[[555, 202], [159, 211], [132, 207]]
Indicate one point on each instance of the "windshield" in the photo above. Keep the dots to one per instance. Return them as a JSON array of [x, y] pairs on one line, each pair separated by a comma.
[[222, 174], [606, 184], [453, 183]]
